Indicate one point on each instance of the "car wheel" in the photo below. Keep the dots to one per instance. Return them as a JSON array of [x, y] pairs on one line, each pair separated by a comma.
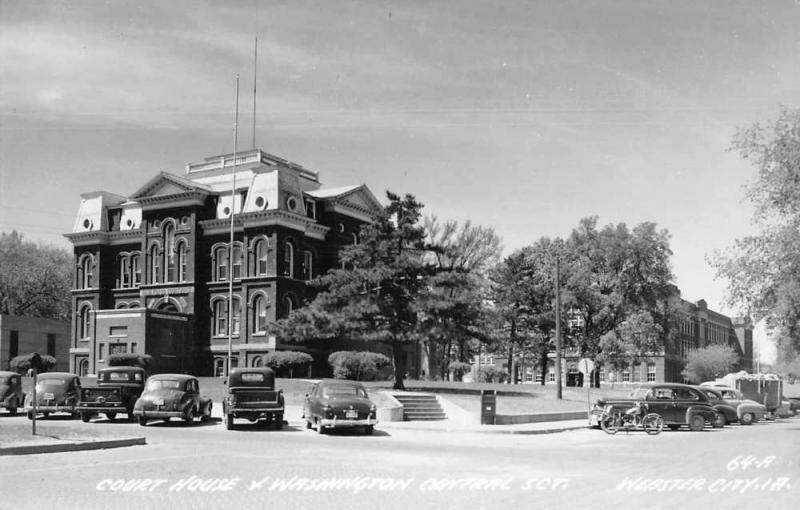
[[85, 417], [747, 419], [188, 415], [277, 422], [228, 421], [320, 428], [12, 410], [142, 420], [45, 414], [719, 421], [368, 430], [111, 416], [129, 411], [696, 422], [206, 415], [308, 423], [30, 415]]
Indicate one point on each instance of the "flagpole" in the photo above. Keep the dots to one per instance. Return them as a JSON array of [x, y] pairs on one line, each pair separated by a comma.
[[230, 247]]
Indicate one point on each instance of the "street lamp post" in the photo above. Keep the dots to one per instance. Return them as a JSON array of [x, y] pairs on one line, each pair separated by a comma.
[[558, 329], [230, 247]]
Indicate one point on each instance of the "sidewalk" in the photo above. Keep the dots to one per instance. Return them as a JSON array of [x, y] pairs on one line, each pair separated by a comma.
[[551, 427]]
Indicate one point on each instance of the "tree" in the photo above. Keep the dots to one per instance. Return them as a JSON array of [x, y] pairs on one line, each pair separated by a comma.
[[763, 270], [709, 363], [373, 297], [21, 364], [35, 280]]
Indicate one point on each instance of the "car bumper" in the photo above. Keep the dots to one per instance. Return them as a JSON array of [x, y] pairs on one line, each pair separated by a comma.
[[52, 409], [108, 408], [336, 423], [159, 414], [250, 410]]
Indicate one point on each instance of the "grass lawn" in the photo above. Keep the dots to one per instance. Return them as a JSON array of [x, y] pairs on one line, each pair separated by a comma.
[[20, 433]]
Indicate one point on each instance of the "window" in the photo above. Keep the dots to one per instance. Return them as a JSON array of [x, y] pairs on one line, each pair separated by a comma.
[[257, 362], [133, 347], [221, 258], [219, 367], [85, 272], [51, 344], [236, 316], [260, 314], [236, 263], [117, 349], [170, 260], [288, 304], [13, 344], [118, 331], [83, 322], [651, 372], [262, 254], [136, 270], [626, 375], [100, 353], [308, 265], [182, 264], [83, 368], [552, 376], [154, 265], [355, 238], [288, 260], [124, 271], [220, 319], [311, 209]]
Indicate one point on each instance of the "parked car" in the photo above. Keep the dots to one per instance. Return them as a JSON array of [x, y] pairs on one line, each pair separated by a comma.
[[167, 396], [56, 392], [733, 406], [11, 396], [678, 404], [116, 392], [252, 396], [336, 404]]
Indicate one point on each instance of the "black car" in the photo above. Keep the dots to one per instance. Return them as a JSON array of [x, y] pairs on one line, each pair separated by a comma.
[[116, 392], [252, 396], [336, 404]]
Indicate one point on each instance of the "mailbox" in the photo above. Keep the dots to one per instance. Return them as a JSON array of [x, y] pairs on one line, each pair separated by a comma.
[[488, 407]]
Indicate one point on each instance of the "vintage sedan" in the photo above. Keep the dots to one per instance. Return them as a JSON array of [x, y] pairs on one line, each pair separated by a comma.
[[677, 404], [252, 396], [733, 406], [116, 392], [56, 392], [11, 396], [167, 396], [336, 404]]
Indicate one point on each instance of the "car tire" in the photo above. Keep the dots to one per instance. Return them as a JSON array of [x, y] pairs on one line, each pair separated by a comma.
[[129, 412], [111, 416], [228, 421], [719, 421], [12, 410], [277, 422], [320, 428], [696, 422], [368, 430], [308, 423], [206, 417], [142, 420], [188, 415], [85, 417], [747, 419], [30, 415]]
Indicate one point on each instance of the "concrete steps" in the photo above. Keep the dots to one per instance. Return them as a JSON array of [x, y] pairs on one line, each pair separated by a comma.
[[420, 407]]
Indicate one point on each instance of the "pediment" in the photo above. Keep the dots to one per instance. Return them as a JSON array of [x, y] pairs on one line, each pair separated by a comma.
[[361, 199], [165, 184]]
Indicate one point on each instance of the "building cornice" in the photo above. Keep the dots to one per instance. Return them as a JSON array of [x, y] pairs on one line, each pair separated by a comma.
[[267, 218], [116, 237], [185, 199]]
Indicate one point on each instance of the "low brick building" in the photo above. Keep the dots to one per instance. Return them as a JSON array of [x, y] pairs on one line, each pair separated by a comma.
[[25, 335]]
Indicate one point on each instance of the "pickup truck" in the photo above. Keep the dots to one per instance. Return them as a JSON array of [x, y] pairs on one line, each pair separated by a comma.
[[116, 392], [252, 396], [677, 404]]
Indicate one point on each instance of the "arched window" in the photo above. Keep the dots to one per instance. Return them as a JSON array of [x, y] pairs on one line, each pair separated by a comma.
[[124, 271], [155, 267], [182, 252], [355, 238], [136, 270], [219, 367], [262, 254], [122, 305], [236, 316], [288, 304], [83, 368], [259, 322], [236, 262], [308, 265], [220, 317], [85, 272], [221, 261], [257, 362], [84, 322], [170, 259], [288, 260]]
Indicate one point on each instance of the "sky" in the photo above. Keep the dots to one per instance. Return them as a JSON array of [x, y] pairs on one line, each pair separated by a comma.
[[524, 116]]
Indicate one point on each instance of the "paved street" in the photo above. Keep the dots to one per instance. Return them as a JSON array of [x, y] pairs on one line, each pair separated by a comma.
[[206, 466]]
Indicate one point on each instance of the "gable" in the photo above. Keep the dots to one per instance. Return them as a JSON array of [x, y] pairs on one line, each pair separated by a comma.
[[165, 184], [360, 200]]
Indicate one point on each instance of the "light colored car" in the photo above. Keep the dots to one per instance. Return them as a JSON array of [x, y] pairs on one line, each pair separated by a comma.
[[747, 411], [56, 392]]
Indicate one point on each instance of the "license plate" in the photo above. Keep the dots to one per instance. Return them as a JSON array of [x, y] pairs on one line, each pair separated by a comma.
[[351, 414], [48, 396], [160, 402]]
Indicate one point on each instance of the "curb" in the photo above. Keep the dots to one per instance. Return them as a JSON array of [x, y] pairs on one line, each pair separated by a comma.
[[552, 430], [72, 447]]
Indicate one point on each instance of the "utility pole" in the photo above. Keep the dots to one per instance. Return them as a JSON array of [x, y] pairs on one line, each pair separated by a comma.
[[558, 329], [230, 248]]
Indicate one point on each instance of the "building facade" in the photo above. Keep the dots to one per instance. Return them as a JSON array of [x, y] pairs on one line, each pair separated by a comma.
[[699, 327], [155, 271], [26, 335]]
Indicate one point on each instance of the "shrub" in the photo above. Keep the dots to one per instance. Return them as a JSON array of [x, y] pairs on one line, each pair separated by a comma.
[[459, 368], [359, 366], [491, 374], [286, 363], [709, 363], [129, 360], [21, 364]]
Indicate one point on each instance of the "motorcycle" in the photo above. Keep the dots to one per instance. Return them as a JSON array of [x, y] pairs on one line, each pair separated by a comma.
[[635, 418]]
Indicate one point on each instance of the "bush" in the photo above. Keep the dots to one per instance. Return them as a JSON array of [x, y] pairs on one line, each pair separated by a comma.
[[21, 364], [360, 366], [709, 363], [458, 369], [491, 374], [129, 360], [286, 363]]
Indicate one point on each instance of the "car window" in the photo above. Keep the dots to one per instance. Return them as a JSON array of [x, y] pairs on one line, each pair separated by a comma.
[[343, 391], [167, 384], [115, 376], [730, 395], [662, 394], [6, 380], [685, 394]]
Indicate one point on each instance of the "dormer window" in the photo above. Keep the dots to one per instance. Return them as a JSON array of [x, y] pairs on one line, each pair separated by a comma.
[[311, 209]]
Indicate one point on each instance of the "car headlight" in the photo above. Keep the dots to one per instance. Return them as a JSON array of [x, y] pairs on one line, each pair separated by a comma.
[[327, 411]]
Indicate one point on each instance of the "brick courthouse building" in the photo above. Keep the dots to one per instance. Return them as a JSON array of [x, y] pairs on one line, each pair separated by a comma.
[[152, 270]]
